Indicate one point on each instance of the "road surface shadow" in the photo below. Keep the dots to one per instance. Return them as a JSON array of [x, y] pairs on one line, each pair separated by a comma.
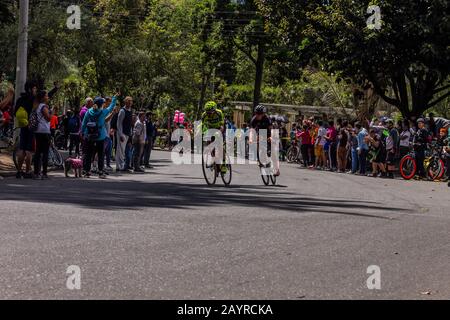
[[119, 195]]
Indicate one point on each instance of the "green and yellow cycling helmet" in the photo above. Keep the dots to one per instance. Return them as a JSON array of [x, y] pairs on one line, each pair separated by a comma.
[[210, 106]]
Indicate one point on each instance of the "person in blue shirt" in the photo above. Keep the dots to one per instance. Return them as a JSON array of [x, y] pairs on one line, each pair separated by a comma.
[[229, 124], [149, 140], [363, 148], [93, 133]]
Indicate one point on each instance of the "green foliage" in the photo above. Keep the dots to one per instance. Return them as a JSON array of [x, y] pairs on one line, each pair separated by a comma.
[[409, 55], [177, 54]]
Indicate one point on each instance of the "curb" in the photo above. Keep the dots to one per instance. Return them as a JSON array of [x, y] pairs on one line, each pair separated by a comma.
[[7, 174]]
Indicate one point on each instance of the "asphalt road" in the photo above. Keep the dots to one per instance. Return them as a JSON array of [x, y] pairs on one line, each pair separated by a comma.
[[166, 235]]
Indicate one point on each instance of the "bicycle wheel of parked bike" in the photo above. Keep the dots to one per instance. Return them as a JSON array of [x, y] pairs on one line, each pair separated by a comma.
[[55, 157], [226, 177], [209, 168], [408, 167], [292, 154], [436, 169]]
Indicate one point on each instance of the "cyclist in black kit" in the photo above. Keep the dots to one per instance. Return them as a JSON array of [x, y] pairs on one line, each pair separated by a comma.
[[262, 122]]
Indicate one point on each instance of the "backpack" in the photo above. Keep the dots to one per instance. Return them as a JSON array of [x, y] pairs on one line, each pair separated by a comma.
[[22, 117], [33, 121], [73, 125], [93, 130]]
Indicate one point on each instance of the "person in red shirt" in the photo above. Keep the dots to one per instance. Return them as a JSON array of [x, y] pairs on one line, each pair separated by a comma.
[[5, 107], [54, 122], [6, 117], [331, 139], [5, 120], [306, 146]]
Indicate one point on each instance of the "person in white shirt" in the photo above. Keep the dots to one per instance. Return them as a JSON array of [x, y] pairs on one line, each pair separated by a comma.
[[139, 133], [42, 136], [405, 139], [321, 159], [123, 136]]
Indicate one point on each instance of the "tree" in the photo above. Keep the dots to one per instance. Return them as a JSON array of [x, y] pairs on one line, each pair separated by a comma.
[[244, 28], [6, 15], [410, 55]]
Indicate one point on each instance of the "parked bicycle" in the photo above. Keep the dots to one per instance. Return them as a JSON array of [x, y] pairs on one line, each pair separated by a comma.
[[60, 140], [7, 137], [434, 164], [293, 154], [55, 159]]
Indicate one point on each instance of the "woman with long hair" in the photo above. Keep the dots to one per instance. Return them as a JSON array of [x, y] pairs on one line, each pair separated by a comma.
[[42, 135]]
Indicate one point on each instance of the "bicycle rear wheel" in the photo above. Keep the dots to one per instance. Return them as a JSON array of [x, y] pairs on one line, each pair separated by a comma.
[[266, 174], [209, 168], [436, 169], [408, 167], [55, 157], [292, 154]]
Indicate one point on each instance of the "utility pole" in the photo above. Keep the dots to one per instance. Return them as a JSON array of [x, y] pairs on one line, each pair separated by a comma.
[[22, 48]]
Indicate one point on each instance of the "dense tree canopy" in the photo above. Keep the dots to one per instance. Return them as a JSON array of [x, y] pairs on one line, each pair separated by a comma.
[[407, 61], [172, 54]]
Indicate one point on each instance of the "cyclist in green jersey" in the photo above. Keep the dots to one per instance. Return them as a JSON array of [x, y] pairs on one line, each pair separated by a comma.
[[213, 118]]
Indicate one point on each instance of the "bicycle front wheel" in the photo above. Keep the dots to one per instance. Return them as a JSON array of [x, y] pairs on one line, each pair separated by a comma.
[[408, 167], [265, 178], [209, 168], [292, 154], [56, 158]]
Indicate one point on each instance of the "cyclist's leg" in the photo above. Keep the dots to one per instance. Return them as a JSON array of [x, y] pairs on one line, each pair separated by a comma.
[[224, 166], [275, 160], [257, 151], [263, 150]]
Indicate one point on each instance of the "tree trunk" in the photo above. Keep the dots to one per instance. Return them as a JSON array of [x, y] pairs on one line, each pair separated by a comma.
[[365, 101], [205, 82], [259, 75]]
